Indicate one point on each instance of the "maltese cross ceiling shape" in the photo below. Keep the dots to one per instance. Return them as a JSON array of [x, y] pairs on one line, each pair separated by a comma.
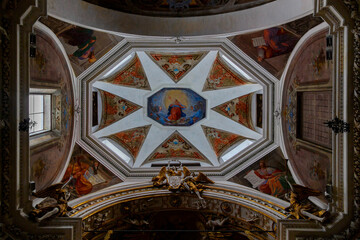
[[155, 118]]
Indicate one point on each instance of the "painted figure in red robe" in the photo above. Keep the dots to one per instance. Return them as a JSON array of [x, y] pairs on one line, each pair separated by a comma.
[[77, 170], [175, 111]]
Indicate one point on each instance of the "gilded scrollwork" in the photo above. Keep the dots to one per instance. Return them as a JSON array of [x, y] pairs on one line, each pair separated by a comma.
[[181, 179], [54, 204], [301, 208]]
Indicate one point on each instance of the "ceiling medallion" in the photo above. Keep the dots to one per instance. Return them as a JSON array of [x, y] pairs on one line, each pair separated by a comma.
[[176, 107]]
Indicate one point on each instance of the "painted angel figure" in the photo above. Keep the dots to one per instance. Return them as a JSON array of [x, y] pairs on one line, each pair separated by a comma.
[[54, 204], [300, 207]]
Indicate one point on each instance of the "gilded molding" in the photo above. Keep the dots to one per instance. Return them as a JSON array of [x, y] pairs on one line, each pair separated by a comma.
[[105, 201]]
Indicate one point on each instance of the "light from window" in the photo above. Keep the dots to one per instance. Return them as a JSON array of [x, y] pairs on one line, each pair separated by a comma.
[[236, 68], [243, 145], [39, 113], [116, 150]]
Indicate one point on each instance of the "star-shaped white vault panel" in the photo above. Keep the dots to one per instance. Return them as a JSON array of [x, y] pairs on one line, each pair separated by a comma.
[[197, 106]]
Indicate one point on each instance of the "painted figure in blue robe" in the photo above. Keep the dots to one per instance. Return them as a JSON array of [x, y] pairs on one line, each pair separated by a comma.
[[278, 41], [84, 40]]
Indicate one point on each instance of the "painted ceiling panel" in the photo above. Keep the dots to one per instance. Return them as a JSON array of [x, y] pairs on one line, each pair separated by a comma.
[[272, 47], [132, 75], [83, 46], [221, 76], [176, 147], [114, 108], [221, 140], [131, 139], [238, 109], [177, 65], [88, 175]]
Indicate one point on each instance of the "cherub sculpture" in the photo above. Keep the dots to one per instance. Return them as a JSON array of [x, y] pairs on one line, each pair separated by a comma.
[[55, 203], [300, 206], [212, 223], [181, 179]]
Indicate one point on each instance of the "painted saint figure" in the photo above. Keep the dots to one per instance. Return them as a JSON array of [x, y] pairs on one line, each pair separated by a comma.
[[77, 171], [278, 42], [83, 39], [175, 111], [274, 181]]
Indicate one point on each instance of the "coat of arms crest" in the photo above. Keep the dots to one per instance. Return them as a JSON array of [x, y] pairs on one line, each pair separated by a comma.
[[181, 179]]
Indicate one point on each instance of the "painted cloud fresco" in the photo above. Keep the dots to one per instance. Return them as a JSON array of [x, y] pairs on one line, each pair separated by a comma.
[[176, 107], [83, 46]]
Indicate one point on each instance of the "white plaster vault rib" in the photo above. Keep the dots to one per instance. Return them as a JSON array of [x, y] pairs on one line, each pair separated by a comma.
[[197, 77], [197, 138], [155, 75], [154, 138], [217, 97], [132, 94]]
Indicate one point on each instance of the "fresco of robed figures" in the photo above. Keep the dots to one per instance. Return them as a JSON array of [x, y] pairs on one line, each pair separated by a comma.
[[83, 46], [271, 47], [85, 174], [176, 107], [266, 175]]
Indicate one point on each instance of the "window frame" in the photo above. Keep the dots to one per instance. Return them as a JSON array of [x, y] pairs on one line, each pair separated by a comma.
[[46, 112], [43, 138]]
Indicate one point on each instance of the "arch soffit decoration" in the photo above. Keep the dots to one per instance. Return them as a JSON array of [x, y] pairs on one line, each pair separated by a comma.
[[78, 12], [337, 17], [74, 90], [241, 199]]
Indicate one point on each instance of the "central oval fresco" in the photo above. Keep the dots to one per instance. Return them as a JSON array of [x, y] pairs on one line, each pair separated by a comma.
[[176, 107]]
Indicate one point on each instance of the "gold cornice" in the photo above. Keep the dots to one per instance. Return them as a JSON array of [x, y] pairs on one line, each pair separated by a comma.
[[149, 188]]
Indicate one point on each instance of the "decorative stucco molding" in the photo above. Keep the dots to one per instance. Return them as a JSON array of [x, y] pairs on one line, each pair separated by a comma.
[[17, 19]]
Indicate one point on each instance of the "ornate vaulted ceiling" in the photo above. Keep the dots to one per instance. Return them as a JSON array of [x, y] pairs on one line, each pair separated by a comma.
[[242, 101], [178, 103]]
